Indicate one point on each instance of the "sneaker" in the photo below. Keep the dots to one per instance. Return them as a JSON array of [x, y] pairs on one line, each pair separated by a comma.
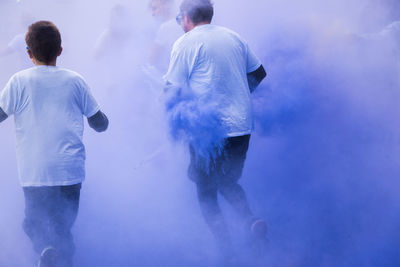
[[259, 229], [259, 241], [48, 257]]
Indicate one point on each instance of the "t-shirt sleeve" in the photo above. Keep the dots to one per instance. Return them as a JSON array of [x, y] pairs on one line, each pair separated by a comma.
[[253, 62], [88, 103], [9, 97], [178, 71]]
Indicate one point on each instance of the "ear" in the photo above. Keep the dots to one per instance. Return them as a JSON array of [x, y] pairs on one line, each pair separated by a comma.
[[59, 53], [30, 54], [186, 18], [187, 23]]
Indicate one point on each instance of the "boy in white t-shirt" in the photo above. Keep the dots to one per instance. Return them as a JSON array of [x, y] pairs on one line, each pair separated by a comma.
[[48, 104]]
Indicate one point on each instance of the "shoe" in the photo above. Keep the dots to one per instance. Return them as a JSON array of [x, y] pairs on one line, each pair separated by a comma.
[[258, 237], [48, 257], [259, 229]]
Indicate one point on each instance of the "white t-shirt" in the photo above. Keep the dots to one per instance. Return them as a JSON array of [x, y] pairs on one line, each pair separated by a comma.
[[213, 62], [48, 103]]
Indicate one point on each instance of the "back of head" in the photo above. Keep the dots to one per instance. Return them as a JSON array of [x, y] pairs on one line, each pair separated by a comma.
[[162, 8], [199, 11], [44, 41], [164, 2]]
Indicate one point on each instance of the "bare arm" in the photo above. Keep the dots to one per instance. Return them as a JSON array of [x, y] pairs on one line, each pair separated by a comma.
[[99, 122], [254, 78], [3, 115]]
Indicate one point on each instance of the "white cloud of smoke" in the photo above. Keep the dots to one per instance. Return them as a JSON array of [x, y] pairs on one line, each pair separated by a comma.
[[323, 163]]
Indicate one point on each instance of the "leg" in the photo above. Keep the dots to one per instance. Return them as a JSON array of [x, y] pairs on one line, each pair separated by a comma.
[[212, 214], [232, 166], [207, 194], [235, 195], [64, 214], [36, 219], [231, 171]]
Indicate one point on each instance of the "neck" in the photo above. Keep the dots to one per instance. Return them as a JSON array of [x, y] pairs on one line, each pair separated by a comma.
[[201, 23], [40, 63], [192, 26]]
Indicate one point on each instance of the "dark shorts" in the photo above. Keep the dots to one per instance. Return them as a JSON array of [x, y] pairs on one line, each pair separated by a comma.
[[226, 168]]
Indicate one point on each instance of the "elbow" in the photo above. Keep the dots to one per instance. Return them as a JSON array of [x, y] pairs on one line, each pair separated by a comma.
[[101, 127], [3, 118], [262, 74], [98, 122], [256, 77], [3, 115], [105, 126]]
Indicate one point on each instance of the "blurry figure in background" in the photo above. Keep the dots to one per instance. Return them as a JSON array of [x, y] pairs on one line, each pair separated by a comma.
[[117, 36], [387, 40], [118, 56], [115, 52], [167, 34], [392, 28], [389, 37], [17, 45], [213, 64], [48, 103], [391, 33]]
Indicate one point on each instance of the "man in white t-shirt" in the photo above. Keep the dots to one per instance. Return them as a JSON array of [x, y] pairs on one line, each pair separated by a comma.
[[48, 104], [215, 64]]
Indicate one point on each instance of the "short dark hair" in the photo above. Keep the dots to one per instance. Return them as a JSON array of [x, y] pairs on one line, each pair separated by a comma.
[[43, 40], [198, 10]]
